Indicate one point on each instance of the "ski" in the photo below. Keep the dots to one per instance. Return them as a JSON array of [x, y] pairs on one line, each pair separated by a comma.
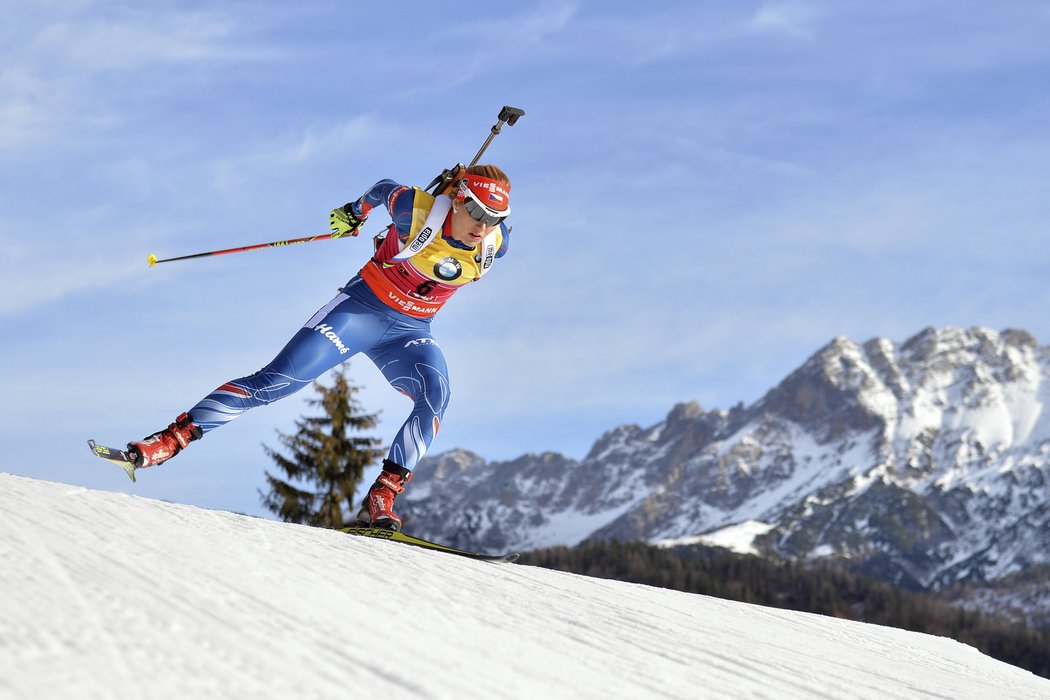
[[125, 462], [112, 454], [380, 533]]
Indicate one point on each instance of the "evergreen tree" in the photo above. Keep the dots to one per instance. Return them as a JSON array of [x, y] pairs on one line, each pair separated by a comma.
[[327, 459]]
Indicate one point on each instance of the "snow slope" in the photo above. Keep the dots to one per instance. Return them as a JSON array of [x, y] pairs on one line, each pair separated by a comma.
[[107, 595]]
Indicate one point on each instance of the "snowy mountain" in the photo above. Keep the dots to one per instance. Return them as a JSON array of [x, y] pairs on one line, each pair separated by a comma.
[[105, 595], [924, 463]]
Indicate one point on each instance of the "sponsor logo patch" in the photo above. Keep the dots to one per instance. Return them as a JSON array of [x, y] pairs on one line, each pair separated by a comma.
[[448, 269], [409, 306], [421, 240], [326, 330]]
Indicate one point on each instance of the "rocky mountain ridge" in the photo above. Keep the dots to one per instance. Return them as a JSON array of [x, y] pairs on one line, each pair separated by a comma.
[[925, 463]]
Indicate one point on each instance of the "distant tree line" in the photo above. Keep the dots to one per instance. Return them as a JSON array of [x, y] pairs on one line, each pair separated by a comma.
[[820, 587]]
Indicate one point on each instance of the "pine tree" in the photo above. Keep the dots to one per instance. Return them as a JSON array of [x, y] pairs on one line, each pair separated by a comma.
[[326, 462]]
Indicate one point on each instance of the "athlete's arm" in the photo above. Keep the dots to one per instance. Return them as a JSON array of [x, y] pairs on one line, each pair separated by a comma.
[[397, 199]]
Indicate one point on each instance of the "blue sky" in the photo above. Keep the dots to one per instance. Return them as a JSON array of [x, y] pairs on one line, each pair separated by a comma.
[[704, 194]]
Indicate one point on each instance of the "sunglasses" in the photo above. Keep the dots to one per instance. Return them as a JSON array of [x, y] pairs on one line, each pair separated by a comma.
[[480, 213]]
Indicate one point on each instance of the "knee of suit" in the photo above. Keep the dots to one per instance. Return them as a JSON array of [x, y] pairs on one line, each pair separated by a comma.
[[428, 388], [435, 398], [269, 384]]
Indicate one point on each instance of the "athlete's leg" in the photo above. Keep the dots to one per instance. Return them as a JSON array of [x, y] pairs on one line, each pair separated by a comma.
[[337, 331], [415, 366]]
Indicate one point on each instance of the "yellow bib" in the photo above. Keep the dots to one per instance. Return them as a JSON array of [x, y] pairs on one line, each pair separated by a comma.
[[440, 260]]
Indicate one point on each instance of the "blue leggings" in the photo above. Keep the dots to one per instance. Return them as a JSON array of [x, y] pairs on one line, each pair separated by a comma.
[[354, 321]]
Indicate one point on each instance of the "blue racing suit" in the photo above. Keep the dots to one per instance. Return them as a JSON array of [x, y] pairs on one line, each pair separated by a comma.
[[355, 321]]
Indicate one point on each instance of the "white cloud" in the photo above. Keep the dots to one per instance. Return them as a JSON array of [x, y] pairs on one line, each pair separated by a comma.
[[135, 41], [335, 139], [38, 273], [75, 72], [326, 144], [785, 18], [550, 18], [521, 37], [28, 108]]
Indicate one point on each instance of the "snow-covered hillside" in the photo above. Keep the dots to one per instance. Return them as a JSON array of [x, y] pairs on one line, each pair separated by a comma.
[[108, 595]]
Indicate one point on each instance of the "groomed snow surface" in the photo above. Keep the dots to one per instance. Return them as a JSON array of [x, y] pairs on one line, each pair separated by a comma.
[[104, 595]]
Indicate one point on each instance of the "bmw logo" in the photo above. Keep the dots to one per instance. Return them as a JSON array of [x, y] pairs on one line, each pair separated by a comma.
[[448, 268]]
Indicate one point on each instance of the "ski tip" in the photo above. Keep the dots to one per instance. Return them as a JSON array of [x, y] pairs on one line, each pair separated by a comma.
[[106, 453], [151, 259]]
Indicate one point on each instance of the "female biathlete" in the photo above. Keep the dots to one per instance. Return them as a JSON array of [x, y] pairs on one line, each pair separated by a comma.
[[434, 246]]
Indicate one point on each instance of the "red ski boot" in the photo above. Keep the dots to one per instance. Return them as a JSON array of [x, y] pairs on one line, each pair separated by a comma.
[[378, 508], [162, 446]]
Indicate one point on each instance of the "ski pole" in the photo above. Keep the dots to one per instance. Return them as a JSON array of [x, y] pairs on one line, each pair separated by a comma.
[[507, 115], [152, 259]]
